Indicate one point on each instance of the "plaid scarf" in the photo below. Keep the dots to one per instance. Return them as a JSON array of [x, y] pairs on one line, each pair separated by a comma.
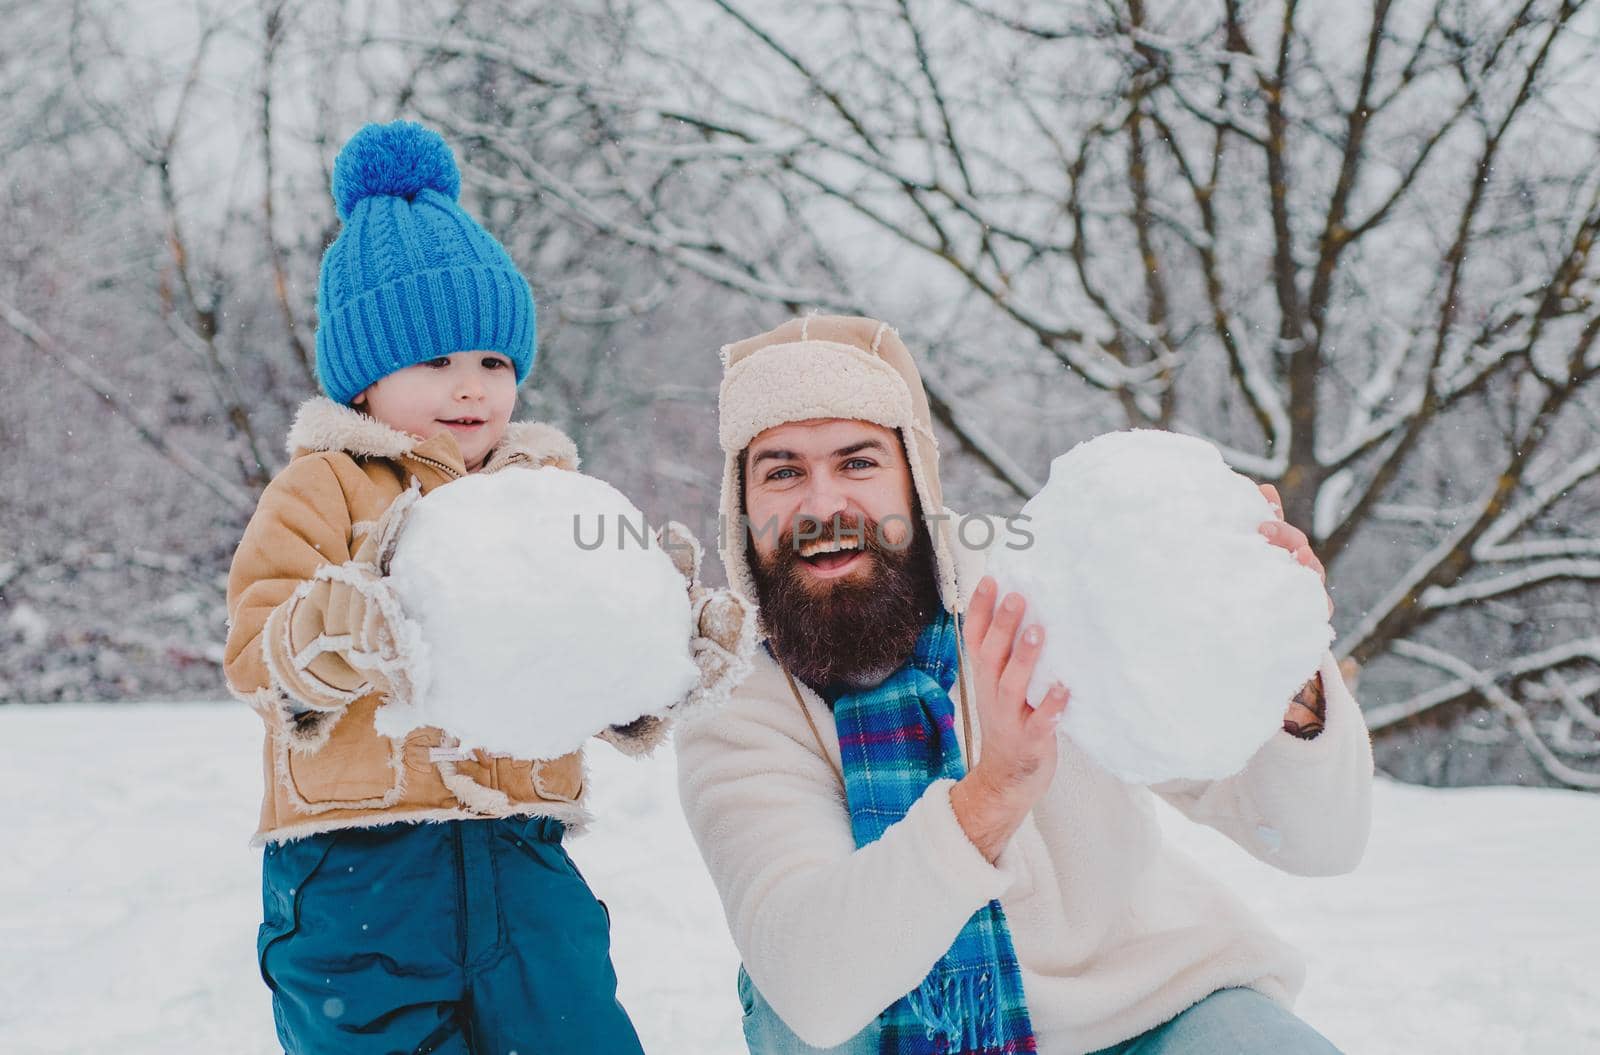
[[896, 739]]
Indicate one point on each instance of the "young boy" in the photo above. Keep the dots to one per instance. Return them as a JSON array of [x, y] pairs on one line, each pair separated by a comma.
[[474, 933]]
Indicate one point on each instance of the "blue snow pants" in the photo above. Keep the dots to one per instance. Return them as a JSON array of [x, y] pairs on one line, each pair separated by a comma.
[[455, 938]]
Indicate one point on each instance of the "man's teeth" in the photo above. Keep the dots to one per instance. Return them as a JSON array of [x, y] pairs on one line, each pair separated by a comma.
[[822, 549]]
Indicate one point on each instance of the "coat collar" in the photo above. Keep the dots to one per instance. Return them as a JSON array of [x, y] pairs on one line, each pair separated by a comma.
[[323, 425]]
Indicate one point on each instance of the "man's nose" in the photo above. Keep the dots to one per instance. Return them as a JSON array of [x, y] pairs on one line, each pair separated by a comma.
[[824, 501]]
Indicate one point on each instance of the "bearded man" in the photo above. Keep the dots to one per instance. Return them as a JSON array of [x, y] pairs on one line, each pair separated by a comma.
[[899, 882]]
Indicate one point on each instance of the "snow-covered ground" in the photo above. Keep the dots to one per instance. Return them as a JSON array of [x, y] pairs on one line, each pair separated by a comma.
[[129, 902]]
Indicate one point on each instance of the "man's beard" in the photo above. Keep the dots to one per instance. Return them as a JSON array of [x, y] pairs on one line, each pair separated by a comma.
[[854, 631]]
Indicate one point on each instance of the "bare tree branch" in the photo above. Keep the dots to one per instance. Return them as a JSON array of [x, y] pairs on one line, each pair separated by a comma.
[[85, 374]]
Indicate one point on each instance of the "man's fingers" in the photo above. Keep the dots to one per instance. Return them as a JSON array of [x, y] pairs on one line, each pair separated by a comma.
[[1288, 537], [996, 648], [1306, 556], [1050, 708], [1283, 534], [1270, 493], [980, 613], [1019, 669]]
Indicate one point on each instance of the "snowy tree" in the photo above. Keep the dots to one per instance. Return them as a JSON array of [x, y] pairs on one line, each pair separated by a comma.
[[1351, 246], [1353, 250]]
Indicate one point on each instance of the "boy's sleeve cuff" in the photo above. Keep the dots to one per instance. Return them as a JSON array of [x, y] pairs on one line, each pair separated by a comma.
[[287, 675]]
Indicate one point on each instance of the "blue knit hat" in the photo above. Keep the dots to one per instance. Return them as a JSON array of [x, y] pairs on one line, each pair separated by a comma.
[[411, 276]]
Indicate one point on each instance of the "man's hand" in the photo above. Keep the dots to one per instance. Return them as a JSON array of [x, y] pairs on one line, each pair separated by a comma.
[[1019, 753], [1286, 536], [1305, 714]]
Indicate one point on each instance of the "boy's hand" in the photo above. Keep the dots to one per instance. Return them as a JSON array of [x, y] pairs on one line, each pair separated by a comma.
[[338, 632], [724, 636], [340, 637], [723, 639]]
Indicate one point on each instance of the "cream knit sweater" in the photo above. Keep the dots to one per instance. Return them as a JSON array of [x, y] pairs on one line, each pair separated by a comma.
[[1115, 931]]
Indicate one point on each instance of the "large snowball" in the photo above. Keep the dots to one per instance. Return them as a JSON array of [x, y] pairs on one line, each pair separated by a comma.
[[1181, 632], [534, 643]]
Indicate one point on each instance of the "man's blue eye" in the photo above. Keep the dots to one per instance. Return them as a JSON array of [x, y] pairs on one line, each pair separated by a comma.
[[776, 474], [860, 463]]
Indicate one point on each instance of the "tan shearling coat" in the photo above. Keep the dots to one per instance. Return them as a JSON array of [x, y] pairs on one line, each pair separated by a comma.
[[326, 765]]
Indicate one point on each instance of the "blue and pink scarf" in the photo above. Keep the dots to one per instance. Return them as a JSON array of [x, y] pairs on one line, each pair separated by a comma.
[[895, 740]]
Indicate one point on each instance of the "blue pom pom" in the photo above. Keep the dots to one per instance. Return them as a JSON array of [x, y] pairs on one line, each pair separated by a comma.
[[401, 159]]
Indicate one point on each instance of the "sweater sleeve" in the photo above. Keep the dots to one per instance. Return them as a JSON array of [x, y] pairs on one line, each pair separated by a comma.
[[302, 522], [830, 934], [1302, 806]]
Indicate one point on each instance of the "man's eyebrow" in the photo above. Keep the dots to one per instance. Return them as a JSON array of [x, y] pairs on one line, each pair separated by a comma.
[[772, 454], [779, 455], [864, 445]]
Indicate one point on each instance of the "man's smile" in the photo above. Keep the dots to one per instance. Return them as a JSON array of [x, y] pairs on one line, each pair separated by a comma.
[[828, 558]]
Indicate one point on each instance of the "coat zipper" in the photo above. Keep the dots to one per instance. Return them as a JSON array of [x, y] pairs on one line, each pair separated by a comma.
[[461, 889], [448, 470]]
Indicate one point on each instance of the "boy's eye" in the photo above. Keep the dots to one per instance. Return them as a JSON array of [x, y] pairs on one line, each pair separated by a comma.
[[495, 364], [439, 362]]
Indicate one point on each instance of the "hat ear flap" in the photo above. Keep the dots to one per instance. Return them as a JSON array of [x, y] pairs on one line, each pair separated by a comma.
[[922, 450]]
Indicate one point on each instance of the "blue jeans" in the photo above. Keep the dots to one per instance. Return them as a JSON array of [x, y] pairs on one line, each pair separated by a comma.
[[1228, 1022], [767, 1034]]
